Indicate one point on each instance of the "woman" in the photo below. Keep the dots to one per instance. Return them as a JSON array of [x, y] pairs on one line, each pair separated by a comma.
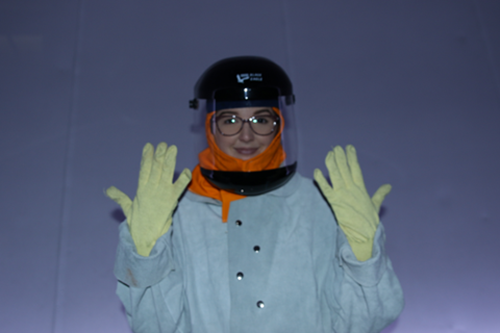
[[254, 246]]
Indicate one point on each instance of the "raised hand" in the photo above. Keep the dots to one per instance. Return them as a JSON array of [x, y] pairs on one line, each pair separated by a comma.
[[355, 212], [149, 216]]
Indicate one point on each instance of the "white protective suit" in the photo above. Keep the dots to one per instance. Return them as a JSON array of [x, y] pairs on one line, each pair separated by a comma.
[[280, 264]]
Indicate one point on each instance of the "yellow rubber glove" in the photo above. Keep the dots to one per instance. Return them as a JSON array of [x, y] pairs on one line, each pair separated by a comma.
[[355, 212], [150, 214]]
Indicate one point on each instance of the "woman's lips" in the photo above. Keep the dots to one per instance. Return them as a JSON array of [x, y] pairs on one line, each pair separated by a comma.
[[246, 151]]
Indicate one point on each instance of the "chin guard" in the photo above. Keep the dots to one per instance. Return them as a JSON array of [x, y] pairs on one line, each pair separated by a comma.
[[250, 183]]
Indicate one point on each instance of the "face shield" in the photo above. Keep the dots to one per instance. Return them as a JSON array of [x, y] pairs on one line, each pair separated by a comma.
[[249, 126]]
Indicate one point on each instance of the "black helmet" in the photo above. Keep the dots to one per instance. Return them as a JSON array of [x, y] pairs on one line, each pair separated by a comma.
[[245, 79], [248, 81]]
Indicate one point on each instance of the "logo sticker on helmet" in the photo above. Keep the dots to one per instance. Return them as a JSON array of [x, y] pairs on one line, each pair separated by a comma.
[[248, 76]]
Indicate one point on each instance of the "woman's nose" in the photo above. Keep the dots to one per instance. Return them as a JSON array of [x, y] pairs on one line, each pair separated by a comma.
[[246, 134]]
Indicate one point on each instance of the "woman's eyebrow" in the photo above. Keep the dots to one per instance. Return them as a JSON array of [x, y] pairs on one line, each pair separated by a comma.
[[262, 111], [228, 112]]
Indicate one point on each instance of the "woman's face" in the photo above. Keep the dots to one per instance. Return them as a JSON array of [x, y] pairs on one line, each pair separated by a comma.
[[245, 144]]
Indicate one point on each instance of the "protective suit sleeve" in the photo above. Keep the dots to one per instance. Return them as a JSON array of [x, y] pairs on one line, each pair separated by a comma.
[[370, 295], [151, 288]]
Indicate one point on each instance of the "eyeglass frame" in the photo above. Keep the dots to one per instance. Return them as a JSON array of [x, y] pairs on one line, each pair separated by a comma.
[[249, 121]]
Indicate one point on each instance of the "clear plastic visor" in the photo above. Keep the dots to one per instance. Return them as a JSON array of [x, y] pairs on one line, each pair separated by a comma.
[[248, 131]]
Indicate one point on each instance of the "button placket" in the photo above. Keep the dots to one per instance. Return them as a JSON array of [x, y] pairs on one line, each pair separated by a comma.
[[239, 275]]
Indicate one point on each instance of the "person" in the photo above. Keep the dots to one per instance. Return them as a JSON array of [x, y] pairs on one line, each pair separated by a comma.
[[251, 245]]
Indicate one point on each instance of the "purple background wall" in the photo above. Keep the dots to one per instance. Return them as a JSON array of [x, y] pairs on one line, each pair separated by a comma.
[[414, 85]]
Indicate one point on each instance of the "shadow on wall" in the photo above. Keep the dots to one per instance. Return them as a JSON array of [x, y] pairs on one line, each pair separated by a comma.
[[125, 315], [392, 328], [117, 215]]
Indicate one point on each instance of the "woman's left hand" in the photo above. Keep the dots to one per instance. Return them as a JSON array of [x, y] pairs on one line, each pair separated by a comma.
[[355, 212]]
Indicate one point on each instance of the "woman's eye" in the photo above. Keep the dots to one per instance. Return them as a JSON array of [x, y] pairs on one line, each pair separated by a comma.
[[260, 120], [230, 121]]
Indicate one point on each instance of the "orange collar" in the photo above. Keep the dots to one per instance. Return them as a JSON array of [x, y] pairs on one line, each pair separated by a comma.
[[213, 158]]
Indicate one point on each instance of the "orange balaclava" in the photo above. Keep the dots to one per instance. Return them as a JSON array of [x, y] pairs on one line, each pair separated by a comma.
[[213, 158]]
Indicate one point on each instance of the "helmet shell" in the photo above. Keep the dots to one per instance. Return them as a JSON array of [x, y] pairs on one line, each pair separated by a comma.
[[243, 78]]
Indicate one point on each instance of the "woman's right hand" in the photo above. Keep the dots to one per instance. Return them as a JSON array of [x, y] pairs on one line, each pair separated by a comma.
[[149, 216]]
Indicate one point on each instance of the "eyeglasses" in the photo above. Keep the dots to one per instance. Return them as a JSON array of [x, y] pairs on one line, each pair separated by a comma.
[[229, 125]]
